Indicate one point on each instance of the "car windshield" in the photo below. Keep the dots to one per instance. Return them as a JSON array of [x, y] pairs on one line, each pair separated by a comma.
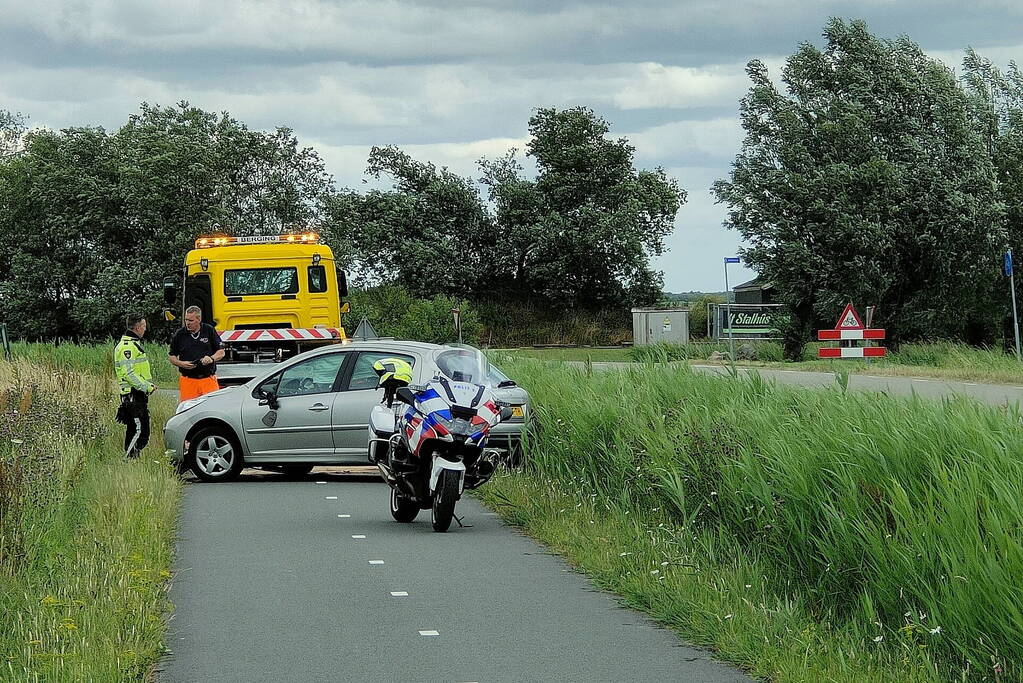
[[462, 364]]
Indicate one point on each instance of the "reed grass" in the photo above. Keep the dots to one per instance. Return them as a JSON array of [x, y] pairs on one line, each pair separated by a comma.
[[85, 536], [807, 535]]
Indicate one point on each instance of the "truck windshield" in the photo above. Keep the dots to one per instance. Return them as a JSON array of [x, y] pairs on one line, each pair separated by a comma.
[[261, 281]]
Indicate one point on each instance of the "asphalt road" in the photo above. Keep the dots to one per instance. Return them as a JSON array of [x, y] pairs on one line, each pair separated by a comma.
[[281, 580], [997, 394]]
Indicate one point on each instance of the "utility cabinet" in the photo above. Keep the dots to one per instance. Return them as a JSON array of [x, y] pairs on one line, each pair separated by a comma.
[[660, 326]]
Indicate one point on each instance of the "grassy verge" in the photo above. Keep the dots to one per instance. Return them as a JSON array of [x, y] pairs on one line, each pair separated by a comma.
[[939, 360], [95, 359], [805, 535], [85, 537]]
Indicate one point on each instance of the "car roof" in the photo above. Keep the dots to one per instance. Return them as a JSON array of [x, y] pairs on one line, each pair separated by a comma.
[[371, 344]]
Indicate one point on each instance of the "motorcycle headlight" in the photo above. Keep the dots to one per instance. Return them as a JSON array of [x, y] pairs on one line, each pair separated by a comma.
[[190, 403]]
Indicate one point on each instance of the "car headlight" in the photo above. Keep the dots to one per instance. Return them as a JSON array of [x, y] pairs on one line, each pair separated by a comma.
[[190, 403]]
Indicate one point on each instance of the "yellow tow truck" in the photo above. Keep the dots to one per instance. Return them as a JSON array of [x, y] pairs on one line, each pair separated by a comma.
[[269, 297]]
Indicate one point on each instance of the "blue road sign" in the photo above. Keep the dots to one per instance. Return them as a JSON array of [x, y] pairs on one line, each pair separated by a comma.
[[1008, 263], [731, 259]]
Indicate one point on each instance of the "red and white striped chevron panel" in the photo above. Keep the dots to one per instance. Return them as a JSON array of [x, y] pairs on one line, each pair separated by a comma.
[[852, 352], [282, 334]]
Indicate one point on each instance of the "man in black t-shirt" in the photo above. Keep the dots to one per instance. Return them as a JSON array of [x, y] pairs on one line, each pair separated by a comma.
[[195, 350]]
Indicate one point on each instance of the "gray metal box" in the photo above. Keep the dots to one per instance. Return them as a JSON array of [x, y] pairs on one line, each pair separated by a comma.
[[660, 325]]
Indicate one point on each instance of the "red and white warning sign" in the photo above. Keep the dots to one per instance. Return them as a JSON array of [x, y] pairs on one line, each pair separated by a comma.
[[281, 334], [850, 326]]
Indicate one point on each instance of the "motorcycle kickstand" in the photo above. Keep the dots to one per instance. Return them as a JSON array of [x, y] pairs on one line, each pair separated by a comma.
[[459, 520]]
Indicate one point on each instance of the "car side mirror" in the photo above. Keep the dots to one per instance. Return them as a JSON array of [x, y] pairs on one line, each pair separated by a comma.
[[405, 395], [342, 283], [268, 398]]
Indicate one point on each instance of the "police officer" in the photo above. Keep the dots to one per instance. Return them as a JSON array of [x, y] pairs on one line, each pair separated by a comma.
[[393, 373], [135, 380]]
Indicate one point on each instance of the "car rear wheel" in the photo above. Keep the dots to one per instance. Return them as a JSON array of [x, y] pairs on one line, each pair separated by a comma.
[[214, 455], [296, 470]]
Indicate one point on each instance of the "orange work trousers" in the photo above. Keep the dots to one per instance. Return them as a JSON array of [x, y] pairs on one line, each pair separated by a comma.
[[194, 388]]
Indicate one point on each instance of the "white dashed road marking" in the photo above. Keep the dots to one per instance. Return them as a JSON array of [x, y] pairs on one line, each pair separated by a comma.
[[358, 535], [344, 516], [399, 594], [321, 482], [429, 633], [331, 498], [376, 561]]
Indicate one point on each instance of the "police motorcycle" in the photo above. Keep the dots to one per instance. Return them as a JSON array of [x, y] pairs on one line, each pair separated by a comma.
[[429, 441]]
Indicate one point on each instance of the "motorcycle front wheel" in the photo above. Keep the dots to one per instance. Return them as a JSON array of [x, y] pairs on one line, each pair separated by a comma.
[[403, 509], [444, 500]]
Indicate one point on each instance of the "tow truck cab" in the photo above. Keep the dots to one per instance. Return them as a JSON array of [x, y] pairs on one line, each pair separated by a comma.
[[270, 297]]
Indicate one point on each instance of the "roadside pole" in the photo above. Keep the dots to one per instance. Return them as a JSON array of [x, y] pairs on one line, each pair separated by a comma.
[[1012, 292], [728, 308], [5, 341]]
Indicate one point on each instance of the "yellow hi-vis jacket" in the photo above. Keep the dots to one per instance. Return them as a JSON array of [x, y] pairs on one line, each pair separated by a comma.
[[131, 365]]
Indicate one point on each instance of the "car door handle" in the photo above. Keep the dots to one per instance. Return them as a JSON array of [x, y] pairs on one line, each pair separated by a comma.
[[318, 407]]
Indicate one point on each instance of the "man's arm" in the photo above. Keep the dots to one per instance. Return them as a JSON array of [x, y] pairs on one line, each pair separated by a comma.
[[186, 364], [217, 345]]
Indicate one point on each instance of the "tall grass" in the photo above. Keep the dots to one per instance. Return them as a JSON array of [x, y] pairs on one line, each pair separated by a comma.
[[892, 527], [95, 359], [85, 537]]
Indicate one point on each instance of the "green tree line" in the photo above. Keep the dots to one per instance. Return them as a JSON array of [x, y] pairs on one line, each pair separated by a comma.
[[877, 175], [91, 220]]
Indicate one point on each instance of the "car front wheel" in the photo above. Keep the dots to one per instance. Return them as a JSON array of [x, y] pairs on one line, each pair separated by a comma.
[[213, 455]]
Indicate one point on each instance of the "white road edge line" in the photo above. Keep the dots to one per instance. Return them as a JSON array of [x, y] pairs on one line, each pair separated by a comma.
[[321, 482], [376, 561], [399, 594], [429, 633]]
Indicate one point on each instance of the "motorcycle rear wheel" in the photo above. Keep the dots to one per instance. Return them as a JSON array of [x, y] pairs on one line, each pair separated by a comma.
[[444, 500], [403, 509]]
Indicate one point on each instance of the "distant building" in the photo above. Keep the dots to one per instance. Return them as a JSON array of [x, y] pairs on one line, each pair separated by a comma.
[[756, 291]]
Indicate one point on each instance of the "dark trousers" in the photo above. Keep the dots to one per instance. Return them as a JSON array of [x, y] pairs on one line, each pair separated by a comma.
[[134, 413]]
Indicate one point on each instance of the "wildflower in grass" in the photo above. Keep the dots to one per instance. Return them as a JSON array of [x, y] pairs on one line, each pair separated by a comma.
[[50, 601], [935, 631], [878, 639], [69, 625]]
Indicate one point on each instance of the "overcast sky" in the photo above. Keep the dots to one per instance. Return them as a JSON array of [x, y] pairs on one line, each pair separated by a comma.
[[453, 81]]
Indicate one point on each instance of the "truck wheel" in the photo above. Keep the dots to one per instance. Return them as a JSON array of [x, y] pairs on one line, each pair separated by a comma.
[[403, 509], [214, 455]]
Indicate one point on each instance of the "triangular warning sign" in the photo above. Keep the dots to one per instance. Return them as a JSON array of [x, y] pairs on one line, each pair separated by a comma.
[[365, 331], [849, 320]]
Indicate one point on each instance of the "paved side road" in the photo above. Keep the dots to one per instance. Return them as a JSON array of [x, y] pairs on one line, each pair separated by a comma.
[[996, 394], [298, 581]]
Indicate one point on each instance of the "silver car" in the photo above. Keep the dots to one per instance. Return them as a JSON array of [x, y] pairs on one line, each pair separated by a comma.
[[310, 410]]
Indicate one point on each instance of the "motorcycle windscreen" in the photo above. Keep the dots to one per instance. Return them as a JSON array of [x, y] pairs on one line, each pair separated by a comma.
[[462, 364]]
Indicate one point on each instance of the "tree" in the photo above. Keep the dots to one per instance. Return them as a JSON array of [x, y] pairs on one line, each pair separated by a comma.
[[868, 182], [12, 130], [997, 99], [431, 234], [91, 222], [582, 233]]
